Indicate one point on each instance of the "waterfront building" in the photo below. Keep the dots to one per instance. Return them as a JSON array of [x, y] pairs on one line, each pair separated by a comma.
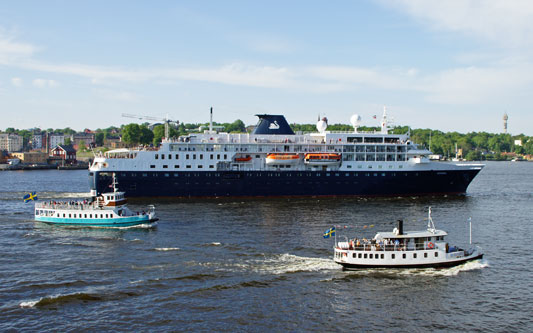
[[66, 152], [56, 140], [37, 141], [11, 142], [87, 138], [34, 157]]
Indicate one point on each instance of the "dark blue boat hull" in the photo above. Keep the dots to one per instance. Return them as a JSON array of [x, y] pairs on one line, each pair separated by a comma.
[[286, 183]]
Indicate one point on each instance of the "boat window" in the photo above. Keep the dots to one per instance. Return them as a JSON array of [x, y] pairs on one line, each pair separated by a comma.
[[211, 167], [162, 156], [156, 156], [393, 256], [152, 166], [188, 166], [436, 254], [69, 215], [193, 156], [414, 255], [382, 256], [354, 255], [200, 166], [365, 255], [359, 256], [169, 156], [165, 166], [425, 254], [176, 166], [90, 216], [404, 256], [371, 255], [201, 156], [63, 215]]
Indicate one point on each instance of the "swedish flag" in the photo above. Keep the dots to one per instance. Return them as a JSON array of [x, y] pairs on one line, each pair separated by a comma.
[[30, 196], [330, 232]]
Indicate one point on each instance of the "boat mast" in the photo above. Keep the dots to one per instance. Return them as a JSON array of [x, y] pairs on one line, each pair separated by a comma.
[[431, 225], [470, 222]]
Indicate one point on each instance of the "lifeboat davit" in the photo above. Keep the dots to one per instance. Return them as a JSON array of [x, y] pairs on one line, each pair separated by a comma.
[[322, 159], [282, 159]]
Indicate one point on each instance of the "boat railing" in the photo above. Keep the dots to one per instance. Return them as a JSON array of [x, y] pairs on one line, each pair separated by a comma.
[[389, 247], [76, 205]]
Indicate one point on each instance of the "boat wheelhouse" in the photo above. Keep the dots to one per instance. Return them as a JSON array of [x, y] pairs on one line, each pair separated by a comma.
[[275, 161], [399, 249]]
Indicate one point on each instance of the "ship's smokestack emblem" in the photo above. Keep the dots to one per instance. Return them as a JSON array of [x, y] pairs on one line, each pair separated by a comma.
[[274, 125]]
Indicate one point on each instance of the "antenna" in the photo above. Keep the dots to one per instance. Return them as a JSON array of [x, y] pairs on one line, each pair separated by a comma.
[[211, 122]]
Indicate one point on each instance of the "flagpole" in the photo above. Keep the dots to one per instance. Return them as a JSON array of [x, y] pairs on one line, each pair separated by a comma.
[[470, 221]]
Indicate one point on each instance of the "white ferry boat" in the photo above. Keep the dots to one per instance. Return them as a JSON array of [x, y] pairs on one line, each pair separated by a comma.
[[275, 161], [399, 249], [106, 210]]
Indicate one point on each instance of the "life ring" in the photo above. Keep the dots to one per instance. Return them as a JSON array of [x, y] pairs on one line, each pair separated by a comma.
[[431, 245]]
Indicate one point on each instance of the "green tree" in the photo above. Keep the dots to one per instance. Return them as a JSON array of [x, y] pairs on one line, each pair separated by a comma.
[[99, 139], [147, 136], [82, 146], [131, 134], [159, 133], [236, 126]]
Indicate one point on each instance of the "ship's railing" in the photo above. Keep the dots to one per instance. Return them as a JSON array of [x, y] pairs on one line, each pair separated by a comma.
[[389, 247], [65, 205]]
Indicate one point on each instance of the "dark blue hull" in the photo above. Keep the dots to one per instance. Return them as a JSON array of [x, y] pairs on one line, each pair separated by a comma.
[[286, 183]]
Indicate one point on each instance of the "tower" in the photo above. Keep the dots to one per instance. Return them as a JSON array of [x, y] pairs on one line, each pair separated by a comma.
[[505, 117]]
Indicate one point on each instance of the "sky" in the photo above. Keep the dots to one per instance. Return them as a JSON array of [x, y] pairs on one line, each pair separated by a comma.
[[455, 65]]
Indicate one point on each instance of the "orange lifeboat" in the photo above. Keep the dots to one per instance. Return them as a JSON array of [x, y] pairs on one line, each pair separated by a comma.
[[322, 159], [243, 159], [282, 159]]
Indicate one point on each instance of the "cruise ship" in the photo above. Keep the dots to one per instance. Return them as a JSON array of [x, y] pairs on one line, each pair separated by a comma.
[[275, 161]]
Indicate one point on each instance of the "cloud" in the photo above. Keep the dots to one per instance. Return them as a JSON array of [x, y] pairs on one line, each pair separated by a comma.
[[11, 50], [507, 23], [16, 81], [42, 83]]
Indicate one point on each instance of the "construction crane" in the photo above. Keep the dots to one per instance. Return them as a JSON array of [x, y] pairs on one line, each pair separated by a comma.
[[166, 120]]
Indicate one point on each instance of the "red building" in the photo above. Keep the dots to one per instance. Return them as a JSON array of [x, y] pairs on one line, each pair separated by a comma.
[[65, 152]]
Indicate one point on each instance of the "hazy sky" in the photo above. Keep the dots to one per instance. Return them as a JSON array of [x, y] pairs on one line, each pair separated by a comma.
[[448, 65]]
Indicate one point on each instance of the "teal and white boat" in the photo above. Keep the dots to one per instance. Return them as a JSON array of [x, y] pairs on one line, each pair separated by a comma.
[[106, 210]]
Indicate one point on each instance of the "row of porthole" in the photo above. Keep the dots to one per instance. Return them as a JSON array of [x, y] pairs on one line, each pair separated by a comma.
[[96, 216], [382, 256], [275, 174]]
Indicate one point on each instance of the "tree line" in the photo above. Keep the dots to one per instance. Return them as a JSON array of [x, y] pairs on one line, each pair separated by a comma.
[[474, 145]]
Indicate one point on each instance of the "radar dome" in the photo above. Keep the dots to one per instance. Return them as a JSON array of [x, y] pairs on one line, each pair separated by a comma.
[[355, 120], [321, 125]]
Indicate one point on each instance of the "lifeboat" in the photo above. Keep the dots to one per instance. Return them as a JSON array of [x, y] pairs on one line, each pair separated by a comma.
[[243, 159], [322, 159], [282, 159]]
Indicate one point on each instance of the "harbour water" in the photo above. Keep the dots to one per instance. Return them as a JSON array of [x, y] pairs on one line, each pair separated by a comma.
[[262, 264]]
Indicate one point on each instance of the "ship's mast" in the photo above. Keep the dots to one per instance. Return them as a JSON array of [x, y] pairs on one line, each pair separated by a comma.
[[384, 127]]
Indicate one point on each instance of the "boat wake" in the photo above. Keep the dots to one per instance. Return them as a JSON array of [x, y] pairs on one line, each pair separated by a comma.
[[451, 271], [166, 248], [277, 264]]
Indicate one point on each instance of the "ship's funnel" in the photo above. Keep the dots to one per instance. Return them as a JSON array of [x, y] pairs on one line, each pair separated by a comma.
[[400, 227], [272, 124]]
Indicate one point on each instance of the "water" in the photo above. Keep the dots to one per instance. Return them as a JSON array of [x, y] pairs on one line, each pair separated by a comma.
[[262, 264]]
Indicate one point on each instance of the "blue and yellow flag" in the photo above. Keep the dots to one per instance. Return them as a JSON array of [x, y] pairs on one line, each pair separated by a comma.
[[330, 232], [30, 196]]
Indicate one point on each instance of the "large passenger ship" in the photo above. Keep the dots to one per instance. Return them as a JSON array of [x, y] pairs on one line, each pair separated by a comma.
[[275, 161]]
